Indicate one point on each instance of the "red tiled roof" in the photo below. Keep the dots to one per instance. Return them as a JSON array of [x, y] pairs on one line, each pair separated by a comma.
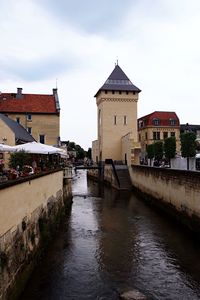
[[31, 103], [162, 116]]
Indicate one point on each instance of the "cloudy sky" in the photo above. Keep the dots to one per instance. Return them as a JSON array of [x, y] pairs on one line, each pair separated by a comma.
[[77, 42]]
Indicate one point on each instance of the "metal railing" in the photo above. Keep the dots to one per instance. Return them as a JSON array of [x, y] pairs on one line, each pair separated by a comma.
[[110, 162], [67, 172]]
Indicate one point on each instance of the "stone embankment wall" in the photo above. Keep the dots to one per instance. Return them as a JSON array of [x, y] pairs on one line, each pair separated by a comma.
[[30, 211], [108, 176], [176, 191]]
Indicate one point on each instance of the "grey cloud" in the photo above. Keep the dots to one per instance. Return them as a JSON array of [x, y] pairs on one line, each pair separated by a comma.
[[37, 70], [92, 16]]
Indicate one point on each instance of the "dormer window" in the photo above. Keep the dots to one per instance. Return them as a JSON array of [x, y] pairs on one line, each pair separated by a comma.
[[172, 122], [141, 124], [156, 122]]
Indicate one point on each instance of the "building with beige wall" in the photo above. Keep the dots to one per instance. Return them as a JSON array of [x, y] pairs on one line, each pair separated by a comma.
[[12, 133], [38, 114], [116, 116], [130, 150], [158, 126]]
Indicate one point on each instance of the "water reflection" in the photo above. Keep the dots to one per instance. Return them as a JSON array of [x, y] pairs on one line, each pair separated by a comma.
[[113, 241]]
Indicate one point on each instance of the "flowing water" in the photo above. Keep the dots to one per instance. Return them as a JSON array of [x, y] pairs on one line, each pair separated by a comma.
[[112, 242]]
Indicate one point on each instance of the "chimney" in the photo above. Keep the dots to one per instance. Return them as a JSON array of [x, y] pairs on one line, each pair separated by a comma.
[[55, 91], [55, 94], [19, 93]]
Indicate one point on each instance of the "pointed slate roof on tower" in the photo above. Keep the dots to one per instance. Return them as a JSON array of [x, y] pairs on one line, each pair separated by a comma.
[[118, 81]]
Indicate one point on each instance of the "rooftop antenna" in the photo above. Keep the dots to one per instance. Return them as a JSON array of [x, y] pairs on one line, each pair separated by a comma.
[[56, 83]]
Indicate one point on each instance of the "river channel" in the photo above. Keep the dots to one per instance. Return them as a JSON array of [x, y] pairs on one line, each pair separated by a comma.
[[112, 242]]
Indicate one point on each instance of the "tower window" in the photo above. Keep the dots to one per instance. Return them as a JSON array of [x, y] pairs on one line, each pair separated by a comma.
[[18, 120], [126, 92], [99, 117], [113, 92], [120, 92], [125, 120], [115, 120]]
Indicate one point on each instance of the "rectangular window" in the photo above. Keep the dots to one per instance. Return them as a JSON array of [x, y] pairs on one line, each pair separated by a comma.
[[146, 136], [165, 135], [172, 134], [29, 117], [172, 122], [99, 117], [42, 139], [115, 120], [29, 129], [125, 120], [18, 120], [156, 135], [156, 122]]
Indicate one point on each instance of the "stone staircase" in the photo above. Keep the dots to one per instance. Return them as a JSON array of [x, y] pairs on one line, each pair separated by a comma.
[[124, 177]]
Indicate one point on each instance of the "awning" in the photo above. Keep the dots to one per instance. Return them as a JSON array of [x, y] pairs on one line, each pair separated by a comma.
[[6, 148], [37, 148]]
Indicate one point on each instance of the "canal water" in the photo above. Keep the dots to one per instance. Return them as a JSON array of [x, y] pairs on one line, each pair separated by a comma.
[[112, 242]]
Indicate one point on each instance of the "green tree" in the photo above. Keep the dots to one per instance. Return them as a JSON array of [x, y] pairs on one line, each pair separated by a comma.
[[188, 145], [170, 148], [158, 150], [71, 146], [20, 159], [150, 152], [80, 152]]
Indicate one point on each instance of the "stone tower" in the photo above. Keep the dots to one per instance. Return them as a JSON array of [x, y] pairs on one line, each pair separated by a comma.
[[116, 115]]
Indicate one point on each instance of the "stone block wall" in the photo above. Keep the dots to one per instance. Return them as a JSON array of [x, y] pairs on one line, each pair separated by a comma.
[[177, 191], [33, 209]]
